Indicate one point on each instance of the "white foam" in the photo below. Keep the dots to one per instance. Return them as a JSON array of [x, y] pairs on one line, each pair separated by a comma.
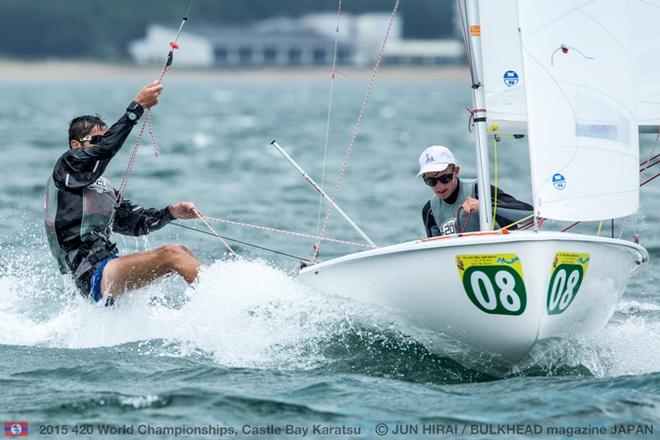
[[627, 347], [140, 401], [241, 313], [629, 307], [249, 314], [621, 348]]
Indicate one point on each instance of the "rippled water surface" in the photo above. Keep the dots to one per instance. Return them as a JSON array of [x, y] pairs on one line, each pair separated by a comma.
[[249, 345]]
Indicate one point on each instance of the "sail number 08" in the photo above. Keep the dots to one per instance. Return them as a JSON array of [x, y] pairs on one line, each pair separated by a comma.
[[564, 286], [496, 289]]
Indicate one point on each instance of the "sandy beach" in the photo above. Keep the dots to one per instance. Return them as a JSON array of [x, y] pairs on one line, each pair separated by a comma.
[[11, 70]]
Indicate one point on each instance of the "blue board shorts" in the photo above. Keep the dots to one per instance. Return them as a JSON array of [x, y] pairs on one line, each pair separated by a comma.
[[95, 286]]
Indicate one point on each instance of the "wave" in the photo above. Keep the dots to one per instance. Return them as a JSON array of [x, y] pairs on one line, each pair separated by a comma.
[[249, 314]]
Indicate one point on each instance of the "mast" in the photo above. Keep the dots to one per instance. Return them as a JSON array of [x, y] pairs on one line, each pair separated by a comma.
[[479, 101]]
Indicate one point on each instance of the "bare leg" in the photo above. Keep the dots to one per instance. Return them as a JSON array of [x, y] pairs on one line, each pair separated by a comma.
[[133, 271]]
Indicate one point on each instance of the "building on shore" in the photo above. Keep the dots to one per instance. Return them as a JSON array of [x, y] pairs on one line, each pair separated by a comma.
[[306, 41]]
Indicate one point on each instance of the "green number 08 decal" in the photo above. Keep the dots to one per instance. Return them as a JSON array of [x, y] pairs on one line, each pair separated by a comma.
[[494, 282], [568, 270]]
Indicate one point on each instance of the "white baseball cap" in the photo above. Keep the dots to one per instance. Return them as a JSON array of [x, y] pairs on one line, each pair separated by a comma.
[[435, 158]]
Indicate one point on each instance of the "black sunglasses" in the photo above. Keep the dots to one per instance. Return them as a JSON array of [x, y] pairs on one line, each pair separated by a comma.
[[444, 179], [93, 140]]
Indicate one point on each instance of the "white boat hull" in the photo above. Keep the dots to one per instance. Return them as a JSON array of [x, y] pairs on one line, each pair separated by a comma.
[[472, 290]]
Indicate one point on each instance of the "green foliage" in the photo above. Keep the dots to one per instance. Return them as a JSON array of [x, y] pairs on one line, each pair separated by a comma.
[[102, 29]]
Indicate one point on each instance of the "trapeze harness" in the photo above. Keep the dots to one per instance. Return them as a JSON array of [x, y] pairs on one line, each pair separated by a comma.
[[445, 213]]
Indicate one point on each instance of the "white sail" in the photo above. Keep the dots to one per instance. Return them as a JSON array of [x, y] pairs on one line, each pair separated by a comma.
[[644, 21], [504, 87], [504, 79], [581, 109]]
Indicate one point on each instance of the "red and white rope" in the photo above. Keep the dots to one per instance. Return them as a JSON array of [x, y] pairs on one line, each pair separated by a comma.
[[291, 233], [333, 76], [356, 128], [147, 120], [213, 231]]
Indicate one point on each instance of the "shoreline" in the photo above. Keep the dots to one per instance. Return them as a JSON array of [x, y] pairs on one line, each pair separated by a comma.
[[13, 70]]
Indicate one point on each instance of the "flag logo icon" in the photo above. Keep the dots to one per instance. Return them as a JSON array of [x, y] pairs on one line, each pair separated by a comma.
[[16, 429]]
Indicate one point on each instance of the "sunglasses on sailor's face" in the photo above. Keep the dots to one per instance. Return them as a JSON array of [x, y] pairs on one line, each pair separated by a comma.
[[444, 179], [93, 140]]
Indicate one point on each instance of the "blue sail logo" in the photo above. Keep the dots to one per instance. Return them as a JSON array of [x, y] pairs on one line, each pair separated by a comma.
[[558, 181], [510, 78]]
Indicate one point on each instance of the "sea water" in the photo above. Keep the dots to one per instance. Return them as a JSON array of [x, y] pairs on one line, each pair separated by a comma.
[[249, 351]]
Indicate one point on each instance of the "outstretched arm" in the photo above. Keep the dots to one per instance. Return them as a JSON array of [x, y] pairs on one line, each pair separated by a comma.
[[82, 166], [135, 220]]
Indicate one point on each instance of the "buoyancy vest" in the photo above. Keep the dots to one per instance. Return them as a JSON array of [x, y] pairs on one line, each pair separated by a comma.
[[98, 203], [50, 213], [445, 213]]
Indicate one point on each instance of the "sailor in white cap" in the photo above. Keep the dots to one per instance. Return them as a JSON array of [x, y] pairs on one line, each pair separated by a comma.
[[441, 215]]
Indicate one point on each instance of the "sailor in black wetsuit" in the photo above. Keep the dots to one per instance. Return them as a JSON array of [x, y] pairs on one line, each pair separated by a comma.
[[81, 212], [438, 168]]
